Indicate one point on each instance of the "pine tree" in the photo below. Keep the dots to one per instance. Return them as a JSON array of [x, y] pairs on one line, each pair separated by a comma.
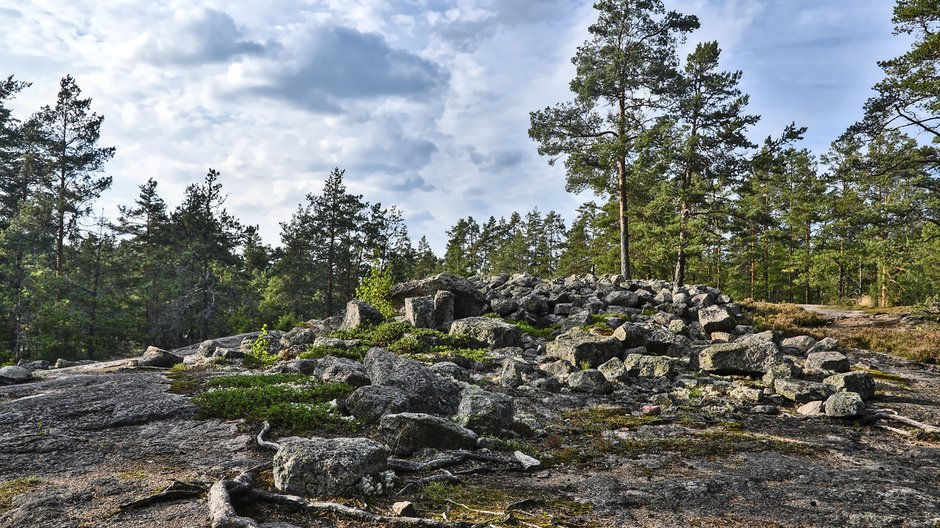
[[71, 159], [207, 239], [623, 72], [712, 148]]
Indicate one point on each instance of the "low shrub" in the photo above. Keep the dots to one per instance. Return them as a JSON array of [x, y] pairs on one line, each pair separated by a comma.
[[302, 408]]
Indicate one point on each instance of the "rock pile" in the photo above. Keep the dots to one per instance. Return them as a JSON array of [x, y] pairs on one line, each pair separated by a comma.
[[585, 336]]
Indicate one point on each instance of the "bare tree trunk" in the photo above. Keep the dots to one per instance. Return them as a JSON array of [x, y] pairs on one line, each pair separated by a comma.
[[624, 222]]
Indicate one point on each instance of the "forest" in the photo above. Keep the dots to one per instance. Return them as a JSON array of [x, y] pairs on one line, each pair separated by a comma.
[[660, 142]]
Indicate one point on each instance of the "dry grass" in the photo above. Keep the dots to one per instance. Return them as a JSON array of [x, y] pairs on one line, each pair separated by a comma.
[[785, 318], [921, 343], [917, 343]]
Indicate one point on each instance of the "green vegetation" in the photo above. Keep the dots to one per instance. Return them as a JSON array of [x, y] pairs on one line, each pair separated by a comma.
[[589, 435], [607, 419], [929, 309], [10, 489], [289, 401], [375, 287], [258, 354], [381, 334], [422, 344], [547, 333], [256, 380], [315, 352], [772, 222]]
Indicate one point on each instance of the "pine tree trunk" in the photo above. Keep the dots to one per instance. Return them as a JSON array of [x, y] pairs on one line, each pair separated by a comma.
[[807, 267], [624, 222]]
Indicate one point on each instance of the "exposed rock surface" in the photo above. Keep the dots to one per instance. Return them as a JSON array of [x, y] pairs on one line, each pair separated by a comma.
[[155, 357], [493, 332], [426, 391], [359, 313], [739, 357], [406, 433], [13, 374], [331, 369], [582, 349], [468, 301], [372, 402], [328, 467], [485, 412]]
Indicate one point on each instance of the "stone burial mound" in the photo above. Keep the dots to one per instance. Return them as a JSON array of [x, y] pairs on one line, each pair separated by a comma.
[[490, 401]]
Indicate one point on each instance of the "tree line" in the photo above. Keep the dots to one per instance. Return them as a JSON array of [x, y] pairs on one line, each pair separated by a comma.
[[662, 142], [76, 285]]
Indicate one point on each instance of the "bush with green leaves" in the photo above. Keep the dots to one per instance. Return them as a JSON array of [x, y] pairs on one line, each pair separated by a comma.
[[375, 287], [258, 354]]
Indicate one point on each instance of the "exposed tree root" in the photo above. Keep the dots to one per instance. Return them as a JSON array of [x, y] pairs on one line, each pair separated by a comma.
[[344, 510], [175, 491], [891, 414], [457, 457], [222, 513], [274, 446]]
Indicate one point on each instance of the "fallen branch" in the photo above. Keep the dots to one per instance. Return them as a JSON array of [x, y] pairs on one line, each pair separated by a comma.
[[457, 457], [175, 491], [274, 446], [443, 476], [345, 511], [891, 414]]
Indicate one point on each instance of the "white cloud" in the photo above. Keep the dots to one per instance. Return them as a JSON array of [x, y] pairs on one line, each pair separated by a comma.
[[425, 102]]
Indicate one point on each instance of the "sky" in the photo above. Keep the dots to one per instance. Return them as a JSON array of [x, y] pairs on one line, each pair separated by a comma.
[[424, 103]]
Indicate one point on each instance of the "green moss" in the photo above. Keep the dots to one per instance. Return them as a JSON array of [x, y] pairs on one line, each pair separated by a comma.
[[483, 505], [10, 489], [607, 419], [547, 333], [376, 335]]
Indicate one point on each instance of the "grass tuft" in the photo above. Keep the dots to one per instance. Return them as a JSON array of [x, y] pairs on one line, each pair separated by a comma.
[[10, 489]]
